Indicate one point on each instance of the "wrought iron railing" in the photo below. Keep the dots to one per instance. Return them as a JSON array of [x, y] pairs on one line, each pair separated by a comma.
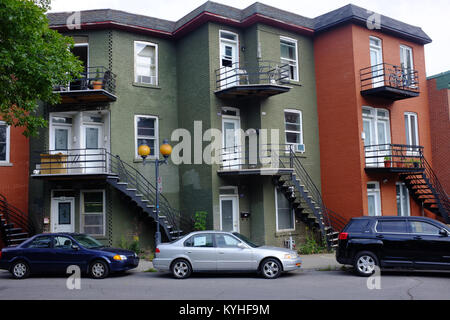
[[439, 192], [395, 156], [389, 75], [255, 73], [94, 78]]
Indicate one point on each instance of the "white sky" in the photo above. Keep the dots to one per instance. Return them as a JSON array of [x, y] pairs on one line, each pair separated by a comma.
[[433, 16]]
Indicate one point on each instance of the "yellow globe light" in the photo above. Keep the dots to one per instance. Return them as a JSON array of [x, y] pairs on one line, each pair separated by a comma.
[[144, 150], [165, 149]]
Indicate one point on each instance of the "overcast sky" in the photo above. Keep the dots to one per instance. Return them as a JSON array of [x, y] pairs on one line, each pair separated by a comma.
[[433, 16]]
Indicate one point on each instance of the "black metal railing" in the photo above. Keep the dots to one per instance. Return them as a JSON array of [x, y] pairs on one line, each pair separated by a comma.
[[13, 215], [438, 191], [394, 156], [252, 73], [94, 78], [72, 161], [388, 75]]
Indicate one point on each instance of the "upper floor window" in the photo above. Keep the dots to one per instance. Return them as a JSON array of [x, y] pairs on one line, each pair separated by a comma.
[[407, 63], [4, 142], [288, 48], [294, 129], [146, 132], [411, 128], [376, 126], [145, 63]]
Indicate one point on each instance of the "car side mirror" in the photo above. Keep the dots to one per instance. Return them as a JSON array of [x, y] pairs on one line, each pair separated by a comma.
[[443, 232], [75, 247], [241, 245]]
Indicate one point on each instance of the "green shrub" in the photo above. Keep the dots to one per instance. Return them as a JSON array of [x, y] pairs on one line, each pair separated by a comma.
[[311, 246], [200, 220]]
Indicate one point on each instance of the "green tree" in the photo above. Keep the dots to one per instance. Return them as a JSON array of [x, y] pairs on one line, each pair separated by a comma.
[[33, 59]]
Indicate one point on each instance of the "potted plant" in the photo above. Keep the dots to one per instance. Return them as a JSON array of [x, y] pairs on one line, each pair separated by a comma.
[[97, 83], [387, 162]]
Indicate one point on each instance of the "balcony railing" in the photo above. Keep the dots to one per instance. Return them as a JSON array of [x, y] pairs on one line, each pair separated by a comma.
[[96, 84], [394, 158], [264, 78], [389, 81], [72, 162]]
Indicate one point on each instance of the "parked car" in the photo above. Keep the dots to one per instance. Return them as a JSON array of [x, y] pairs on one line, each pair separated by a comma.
[[54, 253], [389, 242], [218, 251]]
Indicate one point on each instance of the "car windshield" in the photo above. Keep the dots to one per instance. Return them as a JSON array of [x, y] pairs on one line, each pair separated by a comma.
[[246, 240], [87, 241]]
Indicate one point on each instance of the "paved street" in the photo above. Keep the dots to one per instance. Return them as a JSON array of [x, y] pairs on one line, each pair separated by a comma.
[[305, 284]]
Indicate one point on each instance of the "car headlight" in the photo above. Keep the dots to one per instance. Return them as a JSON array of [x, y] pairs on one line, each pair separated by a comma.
[[290, 256], [119, 257]]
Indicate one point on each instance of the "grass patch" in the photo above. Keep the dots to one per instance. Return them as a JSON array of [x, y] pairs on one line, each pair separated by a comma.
[[151, 270]]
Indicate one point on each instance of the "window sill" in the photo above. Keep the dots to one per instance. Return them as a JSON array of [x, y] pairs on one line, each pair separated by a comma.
[[145, 85], [6, 164], [284, 233], [296, 83]]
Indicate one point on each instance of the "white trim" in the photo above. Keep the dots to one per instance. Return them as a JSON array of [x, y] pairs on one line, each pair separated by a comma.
[[155, 45], [276, 213], [295, 42], [377, 193], [84, 44], [228, 40], [402, 188], [82, 209], [235, 199], [300, 113], [8, 145], [408, 134], [156, 137]]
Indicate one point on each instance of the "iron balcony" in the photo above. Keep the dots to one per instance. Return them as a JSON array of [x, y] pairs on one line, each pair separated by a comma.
[[394, 158]]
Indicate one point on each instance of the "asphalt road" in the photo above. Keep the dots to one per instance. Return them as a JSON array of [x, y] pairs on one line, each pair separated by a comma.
[[302, 284]]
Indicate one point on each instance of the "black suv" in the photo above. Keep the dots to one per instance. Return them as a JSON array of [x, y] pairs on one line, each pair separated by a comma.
[[388, 242]]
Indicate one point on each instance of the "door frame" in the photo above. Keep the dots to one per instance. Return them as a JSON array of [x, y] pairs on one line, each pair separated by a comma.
[[379, 80], [53, 212], [235, 59], [235, 199], [101, 129], [236, 118]]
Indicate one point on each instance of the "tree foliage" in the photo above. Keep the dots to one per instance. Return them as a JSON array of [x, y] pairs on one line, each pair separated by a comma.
[[33, 59]]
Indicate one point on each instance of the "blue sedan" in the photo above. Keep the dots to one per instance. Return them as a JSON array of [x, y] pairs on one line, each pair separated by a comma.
[[55, 252]]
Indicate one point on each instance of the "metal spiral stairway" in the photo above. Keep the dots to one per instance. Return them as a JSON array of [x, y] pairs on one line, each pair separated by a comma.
[[138, 189], [15, 227], [425, 188]]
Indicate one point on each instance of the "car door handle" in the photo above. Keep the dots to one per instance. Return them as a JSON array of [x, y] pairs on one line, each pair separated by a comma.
[[417, 238], [221, 252], [380, 236], [188, 251]]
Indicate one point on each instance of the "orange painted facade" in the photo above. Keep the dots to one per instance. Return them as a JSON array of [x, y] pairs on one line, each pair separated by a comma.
[[340, 54]]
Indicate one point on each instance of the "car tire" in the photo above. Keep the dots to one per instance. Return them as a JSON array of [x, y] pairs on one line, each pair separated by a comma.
[[365, 263], [271, 268], [181, 269], [98, 269], [20, 270]]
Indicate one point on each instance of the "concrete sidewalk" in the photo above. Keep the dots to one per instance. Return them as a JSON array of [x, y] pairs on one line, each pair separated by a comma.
[[323, 262]]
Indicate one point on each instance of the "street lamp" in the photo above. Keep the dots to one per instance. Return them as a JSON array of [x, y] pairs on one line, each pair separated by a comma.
[[165, 150]]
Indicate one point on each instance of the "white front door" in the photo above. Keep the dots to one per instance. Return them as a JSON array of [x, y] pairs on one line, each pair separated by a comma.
[[376, 60], [229, 59], [231, 154], [62, 215], [373, 199], [94, 157], [229, 213]]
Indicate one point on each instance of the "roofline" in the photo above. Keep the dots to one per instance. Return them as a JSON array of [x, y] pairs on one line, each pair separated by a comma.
[[439, 75]]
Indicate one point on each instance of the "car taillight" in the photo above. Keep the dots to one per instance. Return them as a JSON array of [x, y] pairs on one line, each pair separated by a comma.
[[157, 250], [343, 236], [1, 254]]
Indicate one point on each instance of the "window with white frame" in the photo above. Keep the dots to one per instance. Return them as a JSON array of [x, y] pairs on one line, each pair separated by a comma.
[[407, 63], [293, 128], [288, 48], [93, 212], [146, 132], [402, 199], [373, 199], [285, 219], [4, 142], [411, 129], [146, 63]]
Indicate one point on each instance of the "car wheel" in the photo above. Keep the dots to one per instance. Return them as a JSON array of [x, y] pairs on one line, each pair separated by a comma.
[[271, 268], [365, 263], [181, 269], [99, 269], [20, 270]]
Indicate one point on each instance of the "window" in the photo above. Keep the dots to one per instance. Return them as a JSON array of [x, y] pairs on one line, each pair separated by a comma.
[[406, 61], [294, 129], [226, 241], [402, 199], [63, 243], [284, 212], [376, 126], [93, 213], [420, 227], [392, 226], [358, 225], [200, 240], [373, 199], [41, 242], [4, 142], [288, 48], [411, 129], [146, 63], [146, 132]]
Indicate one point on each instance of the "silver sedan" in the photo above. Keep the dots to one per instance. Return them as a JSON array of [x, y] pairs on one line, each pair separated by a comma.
[[222, 251]]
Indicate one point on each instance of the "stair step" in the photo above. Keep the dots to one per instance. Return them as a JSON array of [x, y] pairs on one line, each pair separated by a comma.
[[131, 189], [23, 234], [122, 183], [17, 240], [13, 230]]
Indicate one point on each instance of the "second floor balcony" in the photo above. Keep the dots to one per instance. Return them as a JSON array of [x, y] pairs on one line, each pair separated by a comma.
[[96, 85], [394, 158], [389, 82], [260, 79]]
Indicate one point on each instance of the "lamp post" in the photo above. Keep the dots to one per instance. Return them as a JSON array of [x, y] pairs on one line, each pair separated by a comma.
[[165, 150]]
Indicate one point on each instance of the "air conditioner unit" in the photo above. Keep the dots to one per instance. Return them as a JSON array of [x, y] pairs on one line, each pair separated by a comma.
[[300, 148]]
